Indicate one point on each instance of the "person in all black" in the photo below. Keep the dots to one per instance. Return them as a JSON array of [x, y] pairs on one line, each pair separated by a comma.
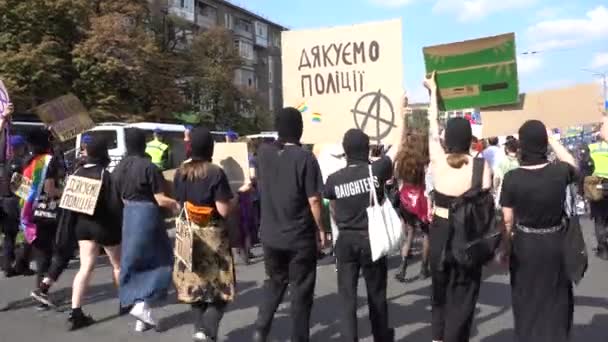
[[455, 288], [349, 193], [103, 228], [290, 186], [533, 198], [10, 218], [202, 188]]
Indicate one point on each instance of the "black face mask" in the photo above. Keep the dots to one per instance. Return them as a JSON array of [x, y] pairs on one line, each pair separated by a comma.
[[356, 146], [202, 144], [533, 143], [289, 125], [458, 136]]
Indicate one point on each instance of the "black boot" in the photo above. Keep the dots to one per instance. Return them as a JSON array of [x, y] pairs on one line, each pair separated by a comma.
[[78, 320], [425, 273], [402, 271]]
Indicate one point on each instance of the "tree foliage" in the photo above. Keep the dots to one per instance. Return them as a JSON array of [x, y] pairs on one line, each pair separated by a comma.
[[124, 59]]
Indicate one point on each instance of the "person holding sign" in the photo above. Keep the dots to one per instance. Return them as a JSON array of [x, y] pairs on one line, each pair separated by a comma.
[[146, 255], [203, 190], [455, 288], [102, 228]]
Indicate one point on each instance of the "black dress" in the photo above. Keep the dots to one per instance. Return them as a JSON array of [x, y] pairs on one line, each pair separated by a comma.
[[541, 291]]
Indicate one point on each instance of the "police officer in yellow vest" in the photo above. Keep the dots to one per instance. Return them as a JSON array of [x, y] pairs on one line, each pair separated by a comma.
[[599, 209], [158, 151]]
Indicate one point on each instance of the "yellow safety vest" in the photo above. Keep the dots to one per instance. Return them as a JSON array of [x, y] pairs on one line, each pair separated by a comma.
[[599, 154], [156, 149]]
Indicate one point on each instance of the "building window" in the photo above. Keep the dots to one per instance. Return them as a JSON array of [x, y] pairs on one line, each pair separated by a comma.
[[228, 21], [182, 3], [276, 39], [245, 49], [243, 25], [270, 69], [206, 10], [271, 99]]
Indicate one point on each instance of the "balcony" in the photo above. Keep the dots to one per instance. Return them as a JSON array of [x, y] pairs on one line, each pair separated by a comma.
[[206, 21]]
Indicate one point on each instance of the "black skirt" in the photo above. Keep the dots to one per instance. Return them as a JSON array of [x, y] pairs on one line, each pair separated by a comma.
[[543, 303]]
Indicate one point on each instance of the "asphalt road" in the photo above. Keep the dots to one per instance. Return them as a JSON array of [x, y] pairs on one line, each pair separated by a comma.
[[409, 309]]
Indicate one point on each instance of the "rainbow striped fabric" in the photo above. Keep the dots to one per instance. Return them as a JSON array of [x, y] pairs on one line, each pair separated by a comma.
[[302, 107], [316, 117], [36, 172]]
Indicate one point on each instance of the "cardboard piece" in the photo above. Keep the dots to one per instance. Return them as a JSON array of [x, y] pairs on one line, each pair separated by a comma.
[[66, 116], [475, 73], [572, 106], [80, 194], [345, 77], [184, 241], [4, 100], [234, 159], [20, 186]]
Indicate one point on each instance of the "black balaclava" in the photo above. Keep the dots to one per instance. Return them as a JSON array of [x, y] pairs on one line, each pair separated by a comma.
[[356, 146], [458, 136], [97, 152], [289, 125], [533, 143], [202, 144], [39, 141], [135, 139]]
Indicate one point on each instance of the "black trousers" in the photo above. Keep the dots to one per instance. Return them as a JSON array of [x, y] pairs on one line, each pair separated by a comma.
[[297, 268], [9, 220], [455, 290], [353, 253], [207, 317], [601, 232]]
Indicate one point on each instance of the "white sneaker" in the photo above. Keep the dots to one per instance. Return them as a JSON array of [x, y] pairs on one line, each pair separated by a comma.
[[140, 326], [200, 336], [142, 312]]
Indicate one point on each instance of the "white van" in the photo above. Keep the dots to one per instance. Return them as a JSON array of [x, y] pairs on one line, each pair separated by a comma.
[[114, 134]]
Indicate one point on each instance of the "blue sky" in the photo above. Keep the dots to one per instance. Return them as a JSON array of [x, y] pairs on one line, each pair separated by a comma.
[[569, 35]]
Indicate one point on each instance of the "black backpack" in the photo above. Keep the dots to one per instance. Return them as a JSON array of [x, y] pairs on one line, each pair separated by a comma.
[[474, 234]]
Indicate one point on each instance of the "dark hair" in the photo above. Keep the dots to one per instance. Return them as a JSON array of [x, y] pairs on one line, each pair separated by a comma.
[[412, 158], [512, 146], [194, 170], [493, 141], [376, 150]]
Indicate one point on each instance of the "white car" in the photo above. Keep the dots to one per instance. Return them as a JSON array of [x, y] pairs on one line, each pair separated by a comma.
[[114, 133]]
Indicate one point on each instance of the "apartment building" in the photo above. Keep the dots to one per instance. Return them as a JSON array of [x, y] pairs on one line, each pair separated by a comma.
[[257, 39]]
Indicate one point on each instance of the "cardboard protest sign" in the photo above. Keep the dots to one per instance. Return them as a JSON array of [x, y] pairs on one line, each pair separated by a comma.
[[4, 100], [475, 73], [234, 159], [564, 107], [20, 185], [184, 241], [66, 116], [81, 194], [345, 77]]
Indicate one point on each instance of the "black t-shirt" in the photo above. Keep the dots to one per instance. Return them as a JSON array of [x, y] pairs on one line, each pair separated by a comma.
[[537, 196], [137, 179], [350, 188], [108, 211], [205, 191], [287, 178]]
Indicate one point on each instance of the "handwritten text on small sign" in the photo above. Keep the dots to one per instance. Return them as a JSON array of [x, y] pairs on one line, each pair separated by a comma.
[[81, 195], [21, 186], [183, 241]]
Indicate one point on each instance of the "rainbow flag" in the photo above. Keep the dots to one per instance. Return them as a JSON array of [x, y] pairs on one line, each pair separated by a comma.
[[36, 172], [302, 107], [316, 117]]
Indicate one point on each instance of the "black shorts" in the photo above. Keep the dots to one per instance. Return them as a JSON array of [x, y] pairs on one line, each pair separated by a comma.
[[413, 220], [87, 230]]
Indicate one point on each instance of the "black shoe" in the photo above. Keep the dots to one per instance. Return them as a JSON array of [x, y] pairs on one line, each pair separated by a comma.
[[259, 336], [402, 271], [28, 272], [10, 272], [42, 297], [79, 320], [602, 253], [42, 307], [425, 273], [124, 310]]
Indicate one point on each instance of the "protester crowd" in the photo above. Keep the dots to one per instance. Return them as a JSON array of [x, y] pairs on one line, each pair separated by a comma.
[[433, 180]]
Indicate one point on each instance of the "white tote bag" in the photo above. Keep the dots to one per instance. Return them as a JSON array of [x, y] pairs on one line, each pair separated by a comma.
[[384, 225]]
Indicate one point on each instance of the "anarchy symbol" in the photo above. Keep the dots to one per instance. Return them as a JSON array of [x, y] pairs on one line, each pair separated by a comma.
[[379, 108]]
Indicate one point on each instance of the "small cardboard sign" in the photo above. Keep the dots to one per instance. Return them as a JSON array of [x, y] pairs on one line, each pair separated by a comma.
[[81, 194], [21, 186], [4, 100], [564, 107], [475, 73], [234, 159], [184, 241], [66, 116], [345, 77]]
